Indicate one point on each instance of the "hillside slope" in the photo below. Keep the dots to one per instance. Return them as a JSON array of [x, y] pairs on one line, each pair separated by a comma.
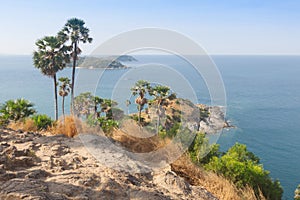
[[35, 166]]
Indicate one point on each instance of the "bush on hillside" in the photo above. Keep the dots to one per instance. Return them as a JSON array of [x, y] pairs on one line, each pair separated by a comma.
[[200, 151], [107, 125], [243, 169], [43, 122]]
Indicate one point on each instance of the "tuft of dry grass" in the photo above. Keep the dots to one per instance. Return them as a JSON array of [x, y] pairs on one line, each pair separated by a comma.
[[138, 145], [27, 125], [72, 126], [66, 126]]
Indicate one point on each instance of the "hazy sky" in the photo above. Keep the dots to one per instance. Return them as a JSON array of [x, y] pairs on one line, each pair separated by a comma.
[[219, 26]]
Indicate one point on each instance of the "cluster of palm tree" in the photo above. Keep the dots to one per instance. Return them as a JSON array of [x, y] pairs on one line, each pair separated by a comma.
[[55, 52], [86, 105], [97, 111], [160, 94]]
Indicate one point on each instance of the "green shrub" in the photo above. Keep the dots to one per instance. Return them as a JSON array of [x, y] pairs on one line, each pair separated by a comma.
[[243, 168], [15, 110], [200, 151], [42, 121], [107, 125]]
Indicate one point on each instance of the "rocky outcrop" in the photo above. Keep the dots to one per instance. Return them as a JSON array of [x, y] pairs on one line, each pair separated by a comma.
[[35, 166], [214, 121], [199, 117]]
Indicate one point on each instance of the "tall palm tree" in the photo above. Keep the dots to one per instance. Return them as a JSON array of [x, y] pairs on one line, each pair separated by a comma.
[[160, 94], [75, 31], [141, 87], [51, 56], [64, 90]]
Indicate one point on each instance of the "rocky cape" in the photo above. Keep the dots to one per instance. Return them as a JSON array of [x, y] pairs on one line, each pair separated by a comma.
[[103, 62], [37, 166]]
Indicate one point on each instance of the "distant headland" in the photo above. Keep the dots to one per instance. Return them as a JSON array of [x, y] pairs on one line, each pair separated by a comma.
[[104, 62]]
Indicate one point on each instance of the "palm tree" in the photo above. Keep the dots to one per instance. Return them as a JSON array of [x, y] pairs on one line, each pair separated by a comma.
[[75, 31], [141, 87], [51, 56], [160, 94], [16, 110], [64, 90]]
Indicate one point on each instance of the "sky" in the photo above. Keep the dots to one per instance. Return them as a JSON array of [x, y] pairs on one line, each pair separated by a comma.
[[219, 26]]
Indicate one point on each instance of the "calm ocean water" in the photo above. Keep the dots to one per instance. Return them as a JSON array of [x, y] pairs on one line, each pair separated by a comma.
[[263, 101]]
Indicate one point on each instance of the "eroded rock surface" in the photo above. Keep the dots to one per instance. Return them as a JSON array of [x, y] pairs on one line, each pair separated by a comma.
[[35, 166]]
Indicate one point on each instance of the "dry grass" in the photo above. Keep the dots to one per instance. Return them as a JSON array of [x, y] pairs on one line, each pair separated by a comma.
[[217, 185], [65, 126], [71, 126], [138, 145], [27, 125]]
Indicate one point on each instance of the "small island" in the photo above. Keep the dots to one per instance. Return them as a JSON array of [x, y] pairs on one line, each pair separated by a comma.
[[104, 62]]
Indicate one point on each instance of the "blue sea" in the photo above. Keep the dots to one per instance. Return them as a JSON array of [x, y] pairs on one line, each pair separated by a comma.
[[263, 100]]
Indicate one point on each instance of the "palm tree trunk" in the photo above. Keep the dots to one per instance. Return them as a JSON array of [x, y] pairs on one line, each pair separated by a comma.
[[55, 97], [73, 76], [63, 106], [140, 114]]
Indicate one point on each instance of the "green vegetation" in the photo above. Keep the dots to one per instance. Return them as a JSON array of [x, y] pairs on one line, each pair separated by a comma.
[[15, 110], [42, 121], [200, 151], [97, 111], [243, 168], [107, 125]]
